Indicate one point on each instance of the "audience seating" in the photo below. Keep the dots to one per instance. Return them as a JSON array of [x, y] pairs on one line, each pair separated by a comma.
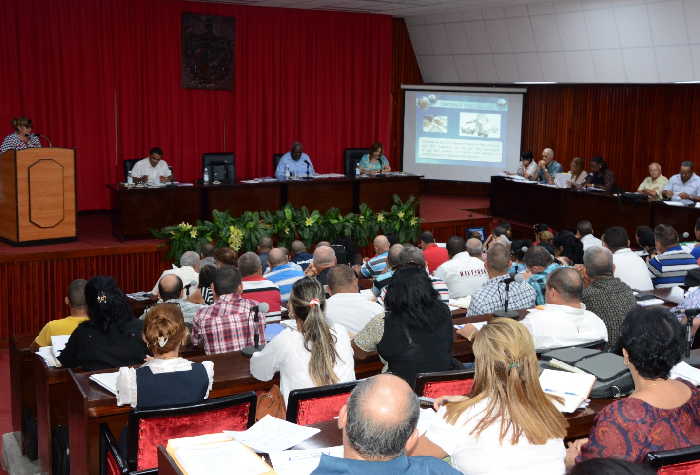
[[442, 383], [128, 165], [311, 405], [350, 158], [149, 428], [678, 461]]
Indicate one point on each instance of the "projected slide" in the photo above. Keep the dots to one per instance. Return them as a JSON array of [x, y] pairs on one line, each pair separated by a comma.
[[448, 129], [460, 129]]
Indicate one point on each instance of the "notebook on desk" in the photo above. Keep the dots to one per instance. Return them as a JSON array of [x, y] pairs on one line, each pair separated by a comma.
[[215, 454], [107, 381]]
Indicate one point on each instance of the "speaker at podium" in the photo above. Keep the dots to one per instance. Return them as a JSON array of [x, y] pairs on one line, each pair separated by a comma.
[[37, 196]]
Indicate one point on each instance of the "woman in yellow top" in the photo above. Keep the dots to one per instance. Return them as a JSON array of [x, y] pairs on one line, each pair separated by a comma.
[[374, 162], [653, 185]]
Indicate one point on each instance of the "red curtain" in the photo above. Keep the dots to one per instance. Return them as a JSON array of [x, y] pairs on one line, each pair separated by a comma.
[[103, 77]]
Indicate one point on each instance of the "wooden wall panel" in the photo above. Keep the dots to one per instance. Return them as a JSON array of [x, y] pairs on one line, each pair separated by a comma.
[[629, 125], [32, 290]]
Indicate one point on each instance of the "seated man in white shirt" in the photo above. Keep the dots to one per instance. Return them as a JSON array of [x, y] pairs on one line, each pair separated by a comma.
[[584, 232], [564, 320], [188, 272], [463, 273], [152, 170], [346, 305], [628, 266]]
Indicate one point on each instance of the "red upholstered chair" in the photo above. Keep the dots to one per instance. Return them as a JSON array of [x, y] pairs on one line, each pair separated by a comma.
[[311, 405], [149, 428], [444, 383], [676, 462]]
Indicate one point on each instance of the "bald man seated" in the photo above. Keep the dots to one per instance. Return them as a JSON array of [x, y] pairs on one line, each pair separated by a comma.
[[323, 260], [171, 290], [379, 427], [377, 264], [282, 272], [548, 168]]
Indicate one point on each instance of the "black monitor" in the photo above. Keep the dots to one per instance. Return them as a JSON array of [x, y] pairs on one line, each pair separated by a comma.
[[221, 166]]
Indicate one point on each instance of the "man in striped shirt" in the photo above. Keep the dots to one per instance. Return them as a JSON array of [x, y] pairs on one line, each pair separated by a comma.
[[671, 263], [377, 264], [282, 272], [255, 286]]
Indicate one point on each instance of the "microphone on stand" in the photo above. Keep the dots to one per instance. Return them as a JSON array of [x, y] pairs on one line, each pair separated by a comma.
[[506, 313], [41, 136], [263, 308], [308, 166]]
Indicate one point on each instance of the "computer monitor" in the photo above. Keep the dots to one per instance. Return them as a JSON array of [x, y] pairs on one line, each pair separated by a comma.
[[221, 166]]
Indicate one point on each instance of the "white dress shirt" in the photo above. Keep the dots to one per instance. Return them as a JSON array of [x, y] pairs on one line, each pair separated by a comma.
[[143, 168], [286, 353], [352, 310], [463, 275], [553, 326], [126, 380], [590, 240], [485, 454], [187, 275], [632, 270]]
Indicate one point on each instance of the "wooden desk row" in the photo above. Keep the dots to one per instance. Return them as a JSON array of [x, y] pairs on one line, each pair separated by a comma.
[[563, 208], [67, 397], [138, 210]]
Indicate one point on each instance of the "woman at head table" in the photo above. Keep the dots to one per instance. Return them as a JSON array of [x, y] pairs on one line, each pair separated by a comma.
[[528, 167], [22, 137], [578, 174], [375, 161]]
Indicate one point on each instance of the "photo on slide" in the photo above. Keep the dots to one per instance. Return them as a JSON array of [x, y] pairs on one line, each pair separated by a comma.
[[435, 124], [473, 124]]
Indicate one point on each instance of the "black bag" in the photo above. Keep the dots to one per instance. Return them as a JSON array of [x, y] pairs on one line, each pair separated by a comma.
[[613, 378], [60, 462]]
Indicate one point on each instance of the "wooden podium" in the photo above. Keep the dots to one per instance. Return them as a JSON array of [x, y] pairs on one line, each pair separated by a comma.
[[37, 196]]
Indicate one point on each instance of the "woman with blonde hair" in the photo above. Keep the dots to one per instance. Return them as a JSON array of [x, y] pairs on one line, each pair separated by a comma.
[[507, 424], [166, 379], [314, 353], [578, 174]]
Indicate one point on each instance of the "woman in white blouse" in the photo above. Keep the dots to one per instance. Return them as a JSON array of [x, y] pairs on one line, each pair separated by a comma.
[[507, 424], [528, 167], [166, 379], [578, 174], [314, 354]]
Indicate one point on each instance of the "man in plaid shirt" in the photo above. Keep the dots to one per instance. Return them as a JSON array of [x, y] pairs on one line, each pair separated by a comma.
[[227, 325], [492, 296]]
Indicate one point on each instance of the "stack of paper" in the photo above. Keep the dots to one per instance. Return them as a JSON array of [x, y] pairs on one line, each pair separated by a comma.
[[107, 380], [58, 342], [215, 454], [46, 352], [271, 434], [684, 371], [573, 388], [301, 462]]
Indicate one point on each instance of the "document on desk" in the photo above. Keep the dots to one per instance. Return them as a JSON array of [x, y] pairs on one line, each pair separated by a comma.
[[462, 302], [573, 388], [108, 381], [46, 352], [58, 342], [215, 454], [649, 302], [301, 462], [271, 434]]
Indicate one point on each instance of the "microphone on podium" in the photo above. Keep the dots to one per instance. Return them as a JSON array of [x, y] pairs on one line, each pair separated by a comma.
[[263, 308], [41, 136], [308, 166]]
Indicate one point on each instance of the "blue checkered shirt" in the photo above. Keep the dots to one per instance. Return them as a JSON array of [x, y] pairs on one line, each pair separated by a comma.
[[492, 297], [539, 282]]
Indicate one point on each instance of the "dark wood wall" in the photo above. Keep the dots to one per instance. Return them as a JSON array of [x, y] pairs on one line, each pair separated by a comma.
[[629, 125]]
